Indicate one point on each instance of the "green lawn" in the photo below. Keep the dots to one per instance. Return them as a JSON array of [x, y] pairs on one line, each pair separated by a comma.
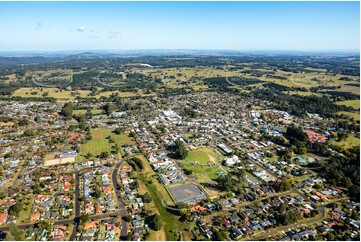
[[350, 103], [94, 112], [349, 142], [170, 221], [99, 143], [354, 115], [203, 155], [24, 215]]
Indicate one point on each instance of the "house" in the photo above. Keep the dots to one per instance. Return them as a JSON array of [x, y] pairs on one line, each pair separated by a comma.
[[256, 227], [245, 229], [30, 233], [67, 186], [244, 217], [3, 218], [204, 228], [323, 229], [210, 234], [199, 208], [236, 233], [234, 219], [35, 217], [89, 225], [226, 223]]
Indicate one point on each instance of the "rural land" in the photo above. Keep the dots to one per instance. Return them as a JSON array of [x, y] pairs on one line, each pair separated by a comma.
[[205, 147]]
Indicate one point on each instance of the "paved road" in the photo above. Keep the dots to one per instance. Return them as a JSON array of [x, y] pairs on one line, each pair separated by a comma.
[[123, 212]]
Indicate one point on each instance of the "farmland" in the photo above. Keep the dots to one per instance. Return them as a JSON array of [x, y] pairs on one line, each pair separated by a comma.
[[354, 115], [350, 103], [349, 142]]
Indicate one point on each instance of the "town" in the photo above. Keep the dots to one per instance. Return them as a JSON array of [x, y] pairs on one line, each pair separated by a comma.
[[196, 166]]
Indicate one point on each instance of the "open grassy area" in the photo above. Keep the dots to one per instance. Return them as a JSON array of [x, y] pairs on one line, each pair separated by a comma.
[[70, 95], [99, 143], [203, 156], [123, 139], [350, 103], [354, 115], [94, 112], [151, 207], [24, 214], [52, 92], [150, 174], [170, 221], [123, 94], [350, 142], [304, 94]]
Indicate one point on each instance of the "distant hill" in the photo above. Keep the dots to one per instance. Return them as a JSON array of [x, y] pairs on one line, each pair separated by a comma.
[[11, 61]]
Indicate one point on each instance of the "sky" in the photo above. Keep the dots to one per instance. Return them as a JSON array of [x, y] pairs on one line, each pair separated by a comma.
[[59, 26]]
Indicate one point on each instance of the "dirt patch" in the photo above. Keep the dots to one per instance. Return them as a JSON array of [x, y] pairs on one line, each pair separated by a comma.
[[142, 188], [158, 235], [59, 161], [211, 158]]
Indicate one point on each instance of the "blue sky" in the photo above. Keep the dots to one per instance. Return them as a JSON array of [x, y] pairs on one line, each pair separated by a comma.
[[54, 26]]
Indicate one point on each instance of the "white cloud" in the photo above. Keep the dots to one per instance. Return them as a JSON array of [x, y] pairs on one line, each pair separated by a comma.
[[114, 32], [81, 29]]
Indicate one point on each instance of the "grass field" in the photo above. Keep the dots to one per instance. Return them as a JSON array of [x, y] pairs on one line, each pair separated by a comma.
[[52, 92], [350, 142], [99, 143], [151, 207], [302, 93], [350, 103], [123, 94], [204, 162], [70, 95], [150, 174], [354, 115], [94, 112], [24, 214], [203, 155]]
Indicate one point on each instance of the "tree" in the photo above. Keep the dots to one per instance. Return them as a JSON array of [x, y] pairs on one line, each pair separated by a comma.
[[119, 131], [220, 235], [284, 185], [297, 133], [147, 198], [16, 208], [127, 218], [84, 218], [15, 233], [157, 222], [67, 111], [108, 109], [184, 211], [180, 152], [104, 154]]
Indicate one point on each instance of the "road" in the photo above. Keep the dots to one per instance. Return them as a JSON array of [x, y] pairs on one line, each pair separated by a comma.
[[292, 226], [123, 212], [17, 177]]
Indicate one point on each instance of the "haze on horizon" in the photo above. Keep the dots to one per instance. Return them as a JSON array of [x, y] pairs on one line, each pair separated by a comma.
[[61, 26]]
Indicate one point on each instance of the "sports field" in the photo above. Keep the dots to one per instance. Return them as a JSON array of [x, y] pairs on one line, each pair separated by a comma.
[[204, 162]]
